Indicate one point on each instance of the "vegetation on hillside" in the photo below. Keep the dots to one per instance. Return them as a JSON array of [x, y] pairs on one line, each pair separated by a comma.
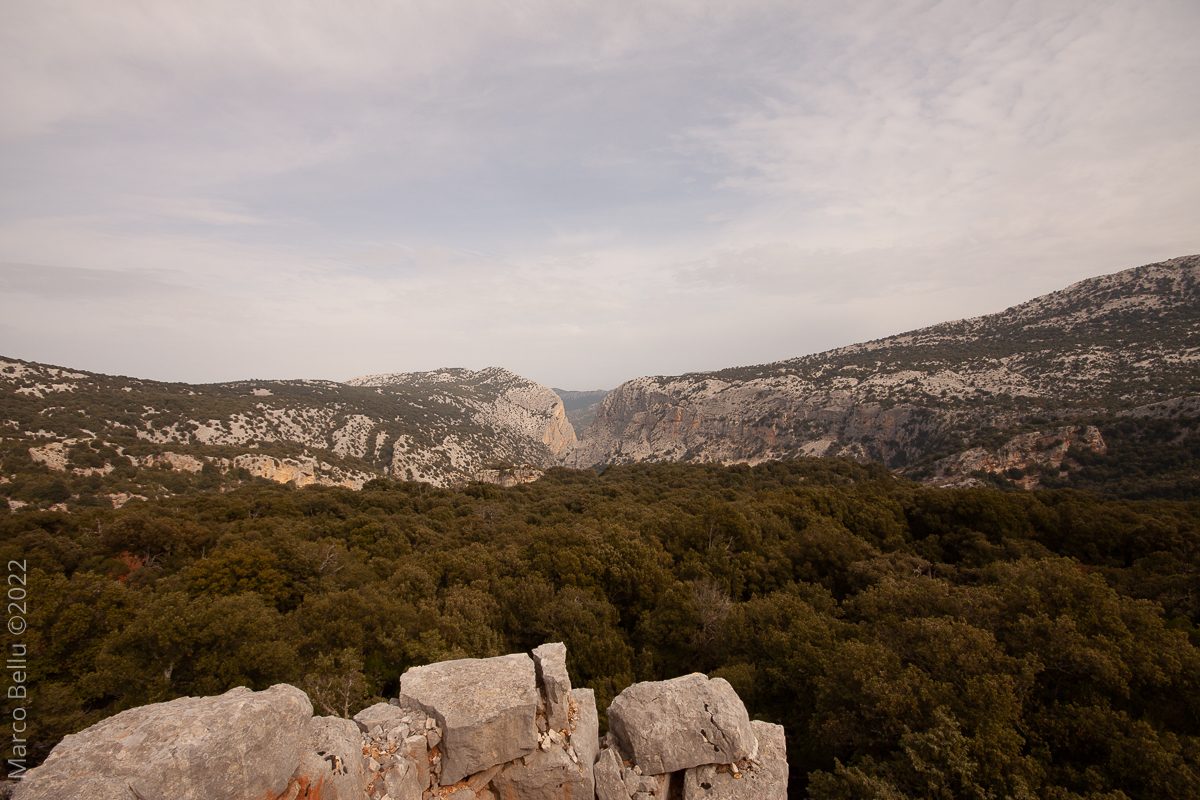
[[1145, 458], [914, 642], [369, 424], [1110, 342]]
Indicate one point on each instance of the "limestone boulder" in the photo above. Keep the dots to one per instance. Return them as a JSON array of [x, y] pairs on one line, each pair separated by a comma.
[[331, 767], [761, 777], [486, 710], [403, 782], [585, 732], [416, 750], [561, 767], [385, 715], [551, 663], [544, 775], [610, 784], [685, 722], [236, 745]]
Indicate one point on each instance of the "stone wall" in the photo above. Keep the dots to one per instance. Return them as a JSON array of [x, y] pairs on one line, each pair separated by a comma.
[[506, 728]]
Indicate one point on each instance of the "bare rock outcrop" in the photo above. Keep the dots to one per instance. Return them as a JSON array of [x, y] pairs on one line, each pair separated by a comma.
[[471, 729], [441, 427], [689, 738], [400, 747], [763, 776], [486, 707], [331, 765], [561, 769], [551, 662], [1028, 453], [239, 744], [1099, 345], [671, 725], [475, 418]]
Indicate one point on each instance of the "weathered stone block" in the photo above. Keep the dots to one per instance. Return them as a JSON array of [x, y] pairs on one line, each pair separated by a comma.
[[415, 749], [480, 780], [763, 778], [239, 744], [485, 707], [385, 715], [585, 735], [333, 760], [608, 778], [685, 722], [402, 781], [551, 662], [562, 768]]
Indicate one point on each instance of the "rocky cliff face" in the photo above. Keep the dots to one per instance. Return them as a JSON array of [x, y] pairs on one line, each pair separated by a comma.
[[440, 427], [520, 421], [1107, 343]]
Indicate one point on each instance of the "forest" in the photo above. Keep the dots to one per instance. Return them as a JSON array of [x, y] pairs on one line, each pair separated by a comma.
[[915, 642]]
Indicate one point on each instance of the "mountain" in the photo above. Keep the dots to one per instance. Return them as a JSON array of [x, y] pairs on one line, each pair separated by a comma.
[[1102, 346], [457, 421], [440, 427]]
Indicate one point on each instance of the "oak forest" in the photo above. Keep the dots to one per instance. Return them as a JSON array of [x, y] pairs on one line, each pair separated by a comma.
[[915, 642]]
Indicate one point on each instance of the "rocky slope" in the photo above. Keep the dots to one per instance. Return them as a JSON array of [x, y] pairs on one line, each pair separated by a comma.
[[470, 419], [440, 427], [1105, 344]]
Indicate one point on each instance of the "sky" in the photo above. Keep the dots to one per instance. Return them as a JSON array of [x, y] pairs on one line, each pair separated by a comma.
[[583, 192]]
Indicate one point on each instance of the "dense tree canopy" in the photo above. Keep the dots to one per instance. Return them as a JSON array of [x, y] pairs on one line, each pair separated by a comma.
[[914, 642]]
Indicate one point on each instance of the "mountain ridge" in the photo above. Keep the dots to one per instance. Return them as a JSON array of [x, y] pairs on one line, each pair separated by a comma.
[[440, 427], [1105, 344]]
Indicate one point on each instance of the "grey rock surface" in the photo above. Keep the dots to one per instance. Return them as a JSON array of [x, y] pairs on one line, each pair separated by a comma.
[[403, 782], [480, 780], [684, 722], [236, 745], [765, 777], [891, 399], [562, 768], [549, 775], [608, 779], [332, 761], [486, 709], [551, 662], [585, 733], [385, 715], [415, 749]]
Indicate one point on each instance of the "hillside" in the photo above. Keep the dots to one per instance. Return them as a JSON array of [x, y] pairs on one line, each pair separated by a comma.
[[100, 436], [1046, 367]]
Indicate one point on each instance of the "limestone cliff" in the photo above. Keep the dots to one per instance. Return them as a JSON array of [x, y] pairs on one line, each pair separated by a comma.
[[521, 421]]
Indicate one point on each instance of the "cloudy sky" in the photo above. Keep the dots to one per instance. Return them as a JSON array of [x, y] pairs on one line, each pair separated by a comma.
[[584, 192]]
